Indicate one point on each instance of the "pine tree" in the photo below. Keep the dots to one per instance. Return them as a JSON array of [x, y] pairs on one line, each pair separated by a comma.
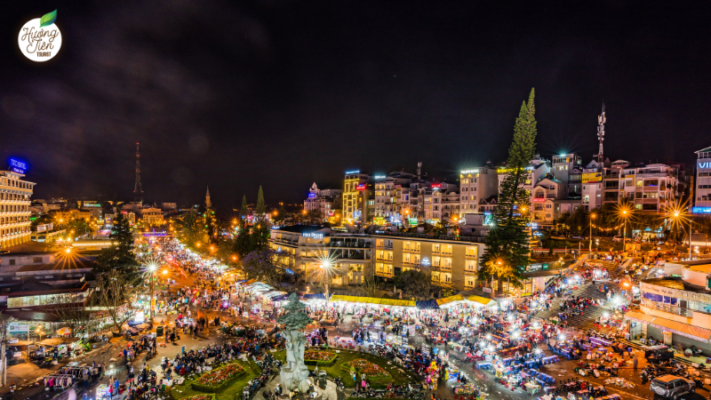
[[507, 247], [119, 257], [243, 209], [261, 208]]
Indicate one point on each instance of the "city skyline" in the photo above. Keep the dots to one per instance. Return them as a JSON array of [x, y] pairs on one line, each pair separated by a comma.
[[286, 96]]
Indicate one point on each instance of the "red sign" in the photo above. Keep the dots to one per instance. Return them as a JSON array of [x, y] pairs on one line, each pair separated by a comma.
[[539, 200], [436, 186], [361, 187]]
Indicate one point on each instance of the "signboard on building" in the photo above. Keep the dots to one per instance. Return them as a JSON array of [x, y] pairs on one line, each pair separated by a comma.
[[18, 166], [18, 327], [592, 177], [45, 227]]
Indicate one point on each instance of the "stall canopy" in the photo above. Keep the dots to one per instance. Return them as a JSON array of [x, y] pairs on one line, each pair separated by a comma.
[[481, 301], [679, 328], [374, 300], [314, 296], [427, 305], [451, 300]]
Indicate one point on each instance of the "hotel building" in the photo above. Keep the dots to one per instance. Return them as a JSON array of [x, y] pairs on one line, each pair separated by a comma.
[[15, 211]]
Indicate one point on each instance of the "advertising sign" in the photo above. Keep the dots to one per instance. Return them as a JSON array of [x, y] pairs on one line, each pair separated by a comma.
[[592, 177]]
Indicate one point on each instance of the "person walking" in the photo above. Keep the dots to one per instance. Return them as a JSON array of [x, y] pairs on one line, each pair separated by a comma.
[[634, 362]]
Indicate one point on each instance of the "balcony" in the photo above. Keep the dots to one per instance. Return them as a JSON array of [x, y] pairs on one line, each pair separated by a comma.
[[443, 284], [411, 262], [411, 250], [385, 274], [672, 309], [471, 256], [442, 267], [470, 271]]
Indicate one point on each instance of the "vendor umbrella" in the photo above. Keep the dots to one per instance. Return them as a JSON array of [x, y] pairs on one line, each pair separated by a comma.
[[64, 331]]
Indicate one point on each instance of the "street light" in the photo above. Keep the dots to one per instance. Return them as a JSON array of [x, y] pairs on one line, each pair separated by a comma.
[[592, 218], [152, 269], [325, 267], [624, 212]]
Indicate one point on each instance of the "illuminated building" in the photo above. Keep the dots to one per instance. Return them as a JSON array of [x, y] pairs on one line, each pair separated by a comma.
[[650, 188], [15, 202], [325, 201], [357, 192], [152, 217], [702, 185], [477, 184], [433, 198], [388, 196]]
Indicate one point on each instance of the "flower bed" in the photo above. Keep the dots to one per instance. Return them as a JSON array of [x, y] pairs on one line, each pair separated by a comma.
[[210, 396], [373, 372], [323, 358], [217, 379]]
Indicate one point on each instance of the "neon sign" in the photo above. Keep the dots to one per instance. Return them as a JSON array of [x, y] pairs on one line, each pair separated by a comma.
[[425, 262], [361, 186], [701, 210], [380, 176], [355, 171], [470, 171], [18, 166], [704, 165], [314, 235], [541, 200]]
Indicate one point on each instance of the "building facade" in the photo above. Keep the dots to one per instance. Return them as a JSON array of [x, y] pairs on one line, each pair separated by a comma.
[[476, 184], [152, 217], [325, 201], [15, 194], [702, 185], [357, 191]]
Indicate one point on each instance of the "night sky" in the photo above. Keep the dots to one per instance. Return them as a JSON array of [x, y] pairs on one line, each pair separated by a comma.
[[285, 93]]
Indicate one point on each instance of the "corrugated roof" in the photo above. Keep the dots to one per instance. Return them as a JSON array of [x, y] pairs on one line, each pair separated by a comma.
[[480, 300], [450, 299], [679, 328], [641, 317], [374, 300]]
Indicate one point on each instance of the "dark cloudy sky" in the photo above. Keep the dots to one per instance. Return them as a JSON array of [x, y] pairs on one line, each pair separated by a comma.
[[285, 93]]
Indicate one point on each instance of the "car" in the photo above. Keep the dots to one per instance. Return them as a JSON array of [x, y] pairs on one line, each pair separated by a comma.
[[617, 238], [672, 386]]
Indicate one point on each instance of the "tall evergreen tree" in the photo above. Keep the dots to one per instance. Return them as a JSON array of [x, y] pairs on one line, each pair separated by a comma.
[[243, 209], [261, 208], [508, 241], [120, 256]]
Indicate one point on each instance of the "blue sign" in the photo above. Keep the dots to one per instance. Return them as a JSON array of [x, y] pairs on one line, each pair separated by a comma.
[[701, 210], [426, 262], [355, 171], [18, 166]]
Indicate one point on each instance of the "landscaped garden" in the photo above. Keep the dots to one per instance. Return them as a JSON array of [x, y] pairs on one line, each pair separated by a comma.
[[320, 358], [218, 378], [222, 383], [373, 372], [377, 370]]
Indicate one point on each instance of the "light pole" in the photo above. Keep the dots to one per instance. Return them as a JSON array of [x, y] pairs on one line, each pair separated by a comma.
[[152, 269], [624, 232], [592, 218], [325, 266]]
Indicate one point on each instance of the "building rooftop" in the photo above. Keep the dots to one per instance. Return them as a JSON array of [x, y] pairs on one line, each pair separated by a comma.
[[301, 228], [26, 249], [59, 266], [675, 283]]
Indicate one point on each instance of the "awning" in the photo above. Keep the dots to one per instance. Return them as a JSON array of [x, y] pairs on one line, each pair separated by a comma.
[[450, 299], [314, 296], [427, 305], [638, 316], [374, 300], [481, 300], [690, 331]]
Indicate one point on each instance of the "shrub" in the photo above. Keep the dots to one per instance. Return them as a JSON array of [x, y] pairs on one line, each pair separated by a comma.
[[213, 381]]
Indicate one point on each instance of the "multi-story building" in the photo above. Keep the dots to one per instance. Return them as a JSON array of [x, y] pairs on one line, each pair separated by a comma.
[[15, 212], [477, 184], [592, 186], [650, 188], [152, 217], [675, 310], [611, 182], [568, 169], [357, 192], [453, 263], [433, 200], [537, 169], [388, 195], [320, 254], [325, 201], [702, 184]]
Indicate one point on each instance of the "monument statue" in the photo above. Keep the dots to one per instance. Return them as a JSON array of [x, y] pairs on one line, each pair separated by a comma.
[[295, 373]]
